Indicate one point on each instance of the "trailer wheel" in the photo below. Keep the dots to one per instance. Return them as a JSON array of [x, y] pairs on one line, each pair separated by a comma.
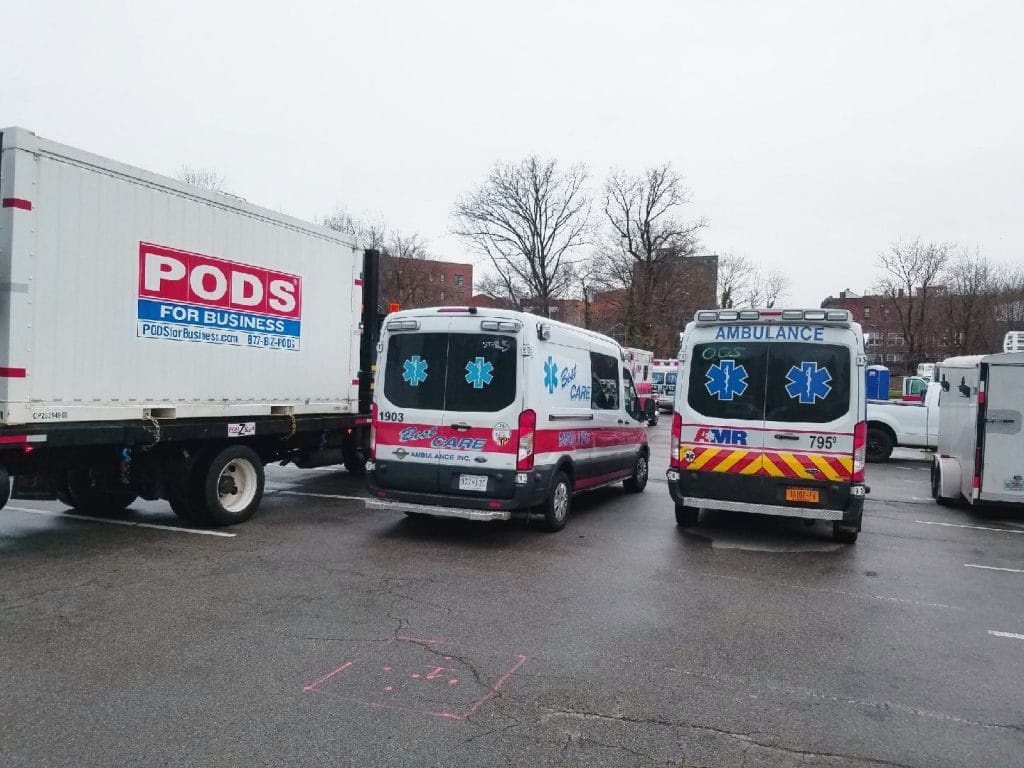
[[880, 445], [354, 461], [936, 478], [76, 490], [230, 486]]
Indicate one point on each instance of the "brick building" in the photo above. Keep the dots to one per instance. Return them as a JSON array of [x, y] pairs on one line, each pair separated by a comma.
[[414, 283]]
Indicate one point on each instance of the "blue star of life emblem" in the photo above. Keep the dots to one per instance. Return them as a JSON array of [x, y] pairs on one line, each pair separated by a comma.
[[808, 383], [726, 380], [550, 375], [414, 371], [479, 372]]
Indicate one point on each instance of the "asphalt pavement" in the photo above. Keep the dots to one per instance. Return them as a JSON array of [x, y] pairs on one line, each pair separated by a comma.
[[322, 633]]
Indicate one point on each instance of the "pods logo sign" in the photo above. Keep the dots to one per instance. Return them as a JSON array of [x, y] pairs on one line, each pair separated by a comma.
[[187, 296]]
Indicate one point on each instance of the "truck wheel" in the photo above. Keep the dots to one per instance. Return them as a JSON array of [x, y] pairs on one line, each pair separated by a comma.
[[844, 533], [354, 461], [230, 486], [557, 504], [5, 487], [879, 445], [77, 491], [638, 480], [687, 517], [653, 421]]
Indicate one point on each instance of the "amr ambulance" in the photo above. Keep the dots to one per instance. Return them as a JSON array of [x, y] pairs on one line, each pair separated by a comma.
[[484, 413], [770, 417]]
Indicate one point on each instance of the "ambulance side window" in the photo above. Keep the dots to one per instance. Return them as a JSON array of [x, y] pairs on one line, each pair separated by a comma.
[[604, 382]]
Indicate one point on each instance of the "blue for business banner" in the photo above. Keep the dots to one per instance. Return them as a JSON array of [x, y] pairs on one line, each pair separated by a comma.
[[182, 322]]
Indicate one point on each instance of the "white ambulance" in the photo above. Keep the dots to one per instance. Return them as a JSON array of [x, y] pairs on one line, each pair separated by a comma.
[[485, 413], [663, 382], [770, 417]]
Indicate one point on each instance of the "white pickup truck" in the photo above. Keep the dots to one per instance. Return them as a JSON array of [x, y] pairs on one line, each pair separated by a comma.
[[913, 424]]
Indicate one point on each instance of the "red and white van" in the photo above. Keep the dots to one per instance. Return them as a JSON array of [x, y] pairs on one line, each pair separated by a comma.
[[483, 413], [663, 382], [640, 363], [770, 417]]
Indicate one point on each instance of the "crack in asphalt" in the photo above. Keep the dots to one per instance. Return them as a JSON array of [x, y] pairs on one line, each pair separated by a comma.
[[744, 738]]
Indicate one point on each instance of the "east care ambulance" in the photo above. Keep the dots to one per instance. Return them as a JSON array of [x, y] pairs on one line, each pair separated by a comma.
[[770, 417]]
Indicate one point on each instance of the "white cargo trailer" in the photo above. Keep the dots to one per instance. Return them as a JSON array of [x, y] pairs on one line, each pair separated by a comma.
[[980, 457], [163, 341]]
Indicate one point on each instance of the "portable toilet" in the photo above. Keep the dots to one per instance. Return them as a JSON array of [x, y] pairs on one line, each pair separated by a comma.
[[877, 387]]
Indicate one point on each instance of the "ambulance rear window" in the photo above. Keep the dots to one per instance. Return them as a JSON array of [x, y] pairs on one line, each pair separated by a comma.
[[453, 372], [727, 380], [807, 382]]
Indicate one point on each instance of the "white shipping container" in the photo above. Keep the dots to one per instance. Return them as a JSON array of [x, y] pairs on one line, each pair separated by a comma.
[[126, 295]]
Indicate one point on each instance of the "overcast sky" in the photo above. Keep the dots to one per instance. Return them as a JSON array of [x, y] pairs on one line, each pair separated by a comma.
[[811, 134]]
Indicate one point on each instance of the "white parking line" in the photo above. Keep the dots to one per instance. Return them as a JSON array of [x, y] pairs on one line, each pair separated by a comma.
[[994, 568], [71, 516], [1011, 635], [973, 527], [323, 495]]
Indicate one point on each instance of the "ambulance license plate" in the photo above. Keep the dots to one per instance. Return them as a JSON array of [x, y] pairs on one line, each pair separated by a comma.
[[802, 494], [473, 483]]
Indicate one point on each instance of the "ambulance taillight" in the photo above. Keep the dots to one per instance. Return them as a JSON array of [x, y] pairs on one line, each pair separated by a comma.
[[373, 431], [677, 430], [527, 431], [860, 446]]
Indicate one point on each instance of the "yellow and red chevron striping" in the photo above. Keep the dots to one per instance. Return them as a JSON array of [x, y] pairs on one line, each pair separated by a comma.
[[747, 461]]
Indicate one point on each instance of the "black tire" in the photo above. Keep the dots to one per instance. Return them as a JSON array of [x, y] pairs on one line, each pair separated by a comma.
[[5, 487], [844, 533], [558, 504], [687, 517], [653, 421], [228, 486], [880, 445], [355, 463], [77, 491], [417, 515], [636, 482]]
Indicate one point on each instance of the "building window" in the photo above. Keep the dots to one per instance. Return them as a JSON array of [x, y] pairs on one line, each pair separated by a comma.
[[442, 278], [867, 311], [442, 295], [459, 281]]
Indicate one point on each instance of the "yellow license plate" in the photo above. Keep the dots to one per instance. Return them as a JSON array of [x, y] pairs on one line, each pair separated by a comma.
[[802, 494]]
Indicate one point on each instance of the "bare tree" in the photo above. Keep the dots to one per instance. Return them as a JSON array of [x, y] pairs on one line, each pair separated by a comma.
[[736, 275], [648, 241], [911, 283], [969, 316], [408, 273], [765, 288], [530, 219], [371, 233], [204, 178]]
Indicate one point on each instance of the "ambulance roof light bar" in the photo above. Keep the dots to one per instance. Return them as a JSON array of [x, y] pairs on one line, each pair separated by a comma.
[[733, 315]]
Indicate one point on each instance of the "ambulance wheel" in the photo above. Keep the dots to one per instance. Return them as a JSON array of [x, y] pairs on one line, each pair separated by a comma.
[[5, 487], [558, 503], [880, 445], [636, 482], [229, 486], [687, 517], [844, 533]]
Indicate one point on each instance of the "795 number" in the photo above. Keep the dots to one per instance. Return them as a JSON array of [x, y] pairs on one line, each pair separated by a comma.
[[823, 442]]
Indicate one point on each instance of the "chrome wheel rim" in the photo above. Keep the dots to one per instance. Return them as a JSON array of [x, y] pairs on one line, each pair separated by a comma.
[[560, 504], [236, 486]]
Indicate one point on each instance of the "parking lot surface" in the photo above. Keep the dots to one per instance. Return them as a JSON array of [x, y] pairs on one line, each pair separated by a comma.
[[321, 633]]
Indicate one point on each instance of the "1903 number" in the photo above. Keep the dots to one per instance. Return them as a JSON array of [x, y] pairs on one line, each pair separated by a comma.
[[392, 416]]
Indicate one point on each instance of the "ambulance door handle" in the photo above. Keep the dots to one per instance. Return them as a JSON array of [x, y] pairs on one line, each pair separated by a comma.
[[461, 426], [787, 437]]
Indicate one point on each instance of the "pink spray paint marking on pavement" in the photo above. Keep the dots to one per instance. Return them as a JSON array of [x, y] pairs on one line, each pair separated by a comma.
[[419, 697]]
